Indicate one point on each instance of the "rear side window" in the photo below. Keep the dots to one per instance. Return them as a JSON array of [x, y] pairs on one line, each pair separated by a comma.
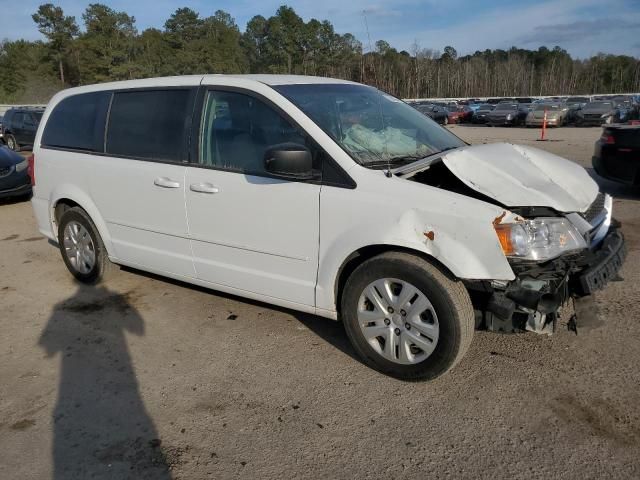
[[77, 122], [150, 124]]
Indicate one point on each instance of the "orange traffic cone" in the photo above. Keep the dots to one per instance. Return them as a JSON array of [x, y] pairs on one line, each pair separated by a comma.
[[544, 126]]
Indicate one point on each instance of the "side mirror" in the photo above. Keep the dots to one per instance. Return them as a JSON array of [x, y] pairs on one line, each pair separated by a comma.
[[289, 160]]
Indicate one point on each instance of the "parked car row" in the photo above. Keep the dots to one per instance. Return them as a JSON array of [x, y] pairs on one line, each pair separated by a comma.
[[559, 111]]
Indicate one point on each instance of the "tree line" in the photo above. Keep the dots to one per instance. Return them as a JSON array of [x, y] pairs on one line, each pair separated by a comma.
[[108, 47]]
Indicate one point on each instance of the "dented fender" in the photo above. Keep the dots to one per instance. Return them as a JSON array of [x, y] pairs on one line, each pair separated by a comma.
[[455, 230]]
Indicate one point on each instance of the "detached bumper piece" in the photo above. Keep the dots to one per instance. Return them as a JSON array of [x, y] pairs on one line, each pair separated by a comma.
[[531, 301], [604, 265]]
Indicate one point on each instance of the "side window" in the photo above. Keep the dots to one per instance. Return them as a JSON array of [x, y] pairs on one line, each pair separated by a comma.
[[29, 121], [238, 129], [18, 120], [150, 124], [77, 122]]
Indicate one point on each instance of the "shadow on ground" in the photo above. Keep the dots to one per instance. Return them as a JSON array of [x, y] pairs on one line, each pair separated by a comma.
[[330, 331], [101, 428]]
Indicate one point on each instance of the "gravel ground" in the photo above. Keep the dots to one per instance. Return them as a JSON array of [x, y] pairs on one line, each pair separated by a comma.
[[150, 378]]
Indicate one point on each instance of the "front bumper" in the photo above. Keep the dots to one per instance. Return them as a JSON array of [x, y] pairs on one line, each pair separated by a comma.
[[602, 265], [500, 121], [537, 122], [532, 300], [15, 184]]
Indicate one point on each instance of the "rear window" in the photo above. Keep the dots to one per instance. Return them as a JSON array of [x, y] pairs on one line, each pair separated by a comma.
[[77, 122], [150, 124]]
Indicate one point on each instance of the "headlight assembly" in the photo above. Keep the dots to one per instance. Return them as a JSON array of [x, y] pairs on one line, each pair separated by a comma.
[[539, 238]]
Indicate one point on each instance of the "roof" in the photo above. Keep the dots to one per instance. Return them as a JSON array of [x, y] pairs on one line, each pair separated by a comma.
[[285, 79], [192, 80]]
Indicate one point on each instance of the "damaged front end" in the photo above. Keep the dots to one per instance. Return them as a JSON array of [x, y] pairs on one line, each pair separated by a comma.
[[532, 300]]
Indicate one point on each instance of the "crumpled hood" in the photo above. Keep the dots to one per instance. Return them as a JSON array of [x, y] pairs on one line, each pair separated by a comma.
[[518, 176]]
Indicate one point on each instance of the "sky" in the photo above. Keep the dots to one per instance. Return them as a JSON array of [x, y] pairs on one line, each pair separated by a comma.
[[582, 27]]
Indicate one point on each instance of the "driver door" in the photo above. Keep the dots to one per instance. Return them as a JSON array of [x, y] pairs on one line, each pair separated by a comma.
[[249, 230]]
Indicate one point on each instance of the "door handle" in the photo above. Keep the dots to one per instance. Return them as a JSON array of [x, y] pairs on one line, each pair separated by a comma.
[[204, 188], [166, 183]]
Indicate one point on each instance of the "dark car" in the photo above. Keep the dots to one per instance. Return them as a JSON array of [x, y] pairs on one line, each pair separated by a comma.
[[437, 113], [507, 114], [596, 113], [20, 125], [14, 175], [480, 115], [617, 154]]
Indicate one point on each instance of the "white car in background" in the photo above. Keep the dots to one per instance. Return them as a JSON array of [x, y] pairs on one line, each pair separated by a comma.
[[323, 196]]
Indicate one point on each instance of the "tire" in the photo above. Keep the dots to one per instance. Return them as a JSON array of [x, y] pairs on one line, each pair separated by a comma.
[[451, 317], [86, 272], [10, 140]]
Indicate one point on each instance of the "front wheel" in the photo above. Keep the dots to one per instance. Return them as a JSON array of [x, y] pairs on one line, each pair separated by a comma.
[[81, 247], [11, 143], [405, 317]]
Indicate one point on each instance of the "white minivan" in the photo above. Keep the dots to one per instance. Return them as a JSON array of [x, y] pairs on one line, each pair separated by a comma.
[[324, 196]]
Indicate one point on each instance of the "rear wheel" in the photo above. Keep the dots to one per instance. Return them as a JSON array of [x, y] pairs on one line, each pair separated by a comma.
[[405, 317], [81, 247], [11, 143]]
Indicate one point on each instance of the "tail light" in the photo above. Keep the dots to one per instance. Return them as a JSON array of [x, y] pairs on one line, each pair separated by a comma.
[[608, 138], [31, 169]]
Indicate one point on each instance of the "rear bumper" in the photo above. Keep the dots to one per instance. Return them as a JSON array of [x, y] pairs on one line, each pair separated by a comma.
[[43, 218], [620, 167]]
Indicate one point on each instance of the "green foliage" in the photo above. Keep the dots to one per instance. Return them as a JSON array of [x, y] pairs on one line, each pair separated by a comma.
[[109, 47]]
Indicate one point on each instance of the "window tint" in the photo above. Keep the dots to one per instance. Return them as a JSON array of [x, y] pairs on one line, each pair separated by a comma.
[[237, 130], [150, 124], [77, 122], [18, 120]]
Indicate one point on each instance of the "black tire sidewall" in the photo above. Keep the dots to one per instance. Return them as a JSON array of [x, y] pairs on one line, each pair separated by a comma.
[[78, 215], [15, 147], [449, 338]]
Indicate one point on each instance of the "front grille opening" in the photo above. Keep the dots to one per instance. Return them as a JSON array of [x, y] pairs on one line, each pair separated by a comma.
[[595, 208]]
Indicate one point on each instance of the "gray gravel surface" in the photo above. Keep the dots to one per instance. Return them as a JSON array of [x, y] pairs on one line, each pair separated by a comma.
[[150, 378]]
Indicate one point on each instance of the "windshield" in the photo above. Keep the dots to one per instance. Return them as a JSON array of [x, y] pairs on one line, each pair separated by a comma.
[[600, 105], [506, 106], [577, 100], [546, 106], [372, 127]]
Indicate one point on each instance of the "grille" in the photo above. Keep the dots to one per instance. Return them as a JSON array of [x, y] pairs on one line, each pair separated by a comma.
[[592, 116], [595, 208], [4, 171]]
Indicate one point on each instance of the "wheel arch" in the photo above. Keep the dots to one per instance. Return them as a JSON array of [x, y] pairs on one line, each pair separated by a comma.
[[363, 254], [68, 197]]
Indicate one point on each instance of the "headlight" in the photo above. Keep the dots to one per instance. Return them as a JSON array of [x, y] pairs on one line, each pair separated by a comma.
[[539, 238], [21, 166]]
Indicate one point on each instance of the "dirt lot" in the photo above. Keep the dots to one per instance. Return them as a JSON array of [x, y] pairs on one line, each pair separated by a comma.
[[149, 378]]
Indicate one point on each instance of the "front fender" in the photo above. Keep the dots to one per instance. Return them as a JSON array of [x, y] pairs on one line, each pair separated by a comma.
[[459, 234]]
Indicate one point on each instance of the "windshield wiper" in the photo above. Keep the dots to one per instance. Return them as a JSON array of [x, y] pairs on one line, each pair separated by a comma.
[[393, 161]]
